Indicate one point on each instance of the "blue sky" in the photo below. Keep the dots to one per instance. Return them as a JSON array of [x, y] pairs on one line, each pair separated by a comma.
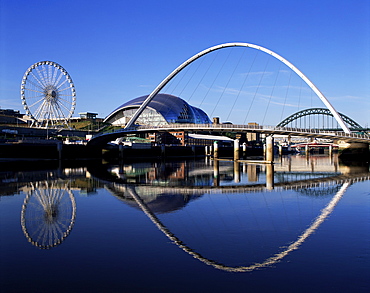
[[119, 50]]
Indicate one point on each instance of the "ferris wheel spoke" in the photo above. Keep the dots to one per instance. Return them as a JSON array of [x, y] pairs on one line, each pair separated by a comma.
[[41, 234], [35, 205], [59, 116], [41, 76], [50, 73], [59, 78], [64, 81], [32, 90], [36, 85], [38, 230], [58, 111], [65, 101], [40, 110], [55, 73], [68, 111], [38, 80], [64, 107], [53, 234], [58, 228], [35, 97], [67, 88], [30, 106], [52, 115], [51, 194], [41, 198], [45, 73], [60, 195], [62, 224], [55, 197], [48, 237], [39, 96], [61, 112]]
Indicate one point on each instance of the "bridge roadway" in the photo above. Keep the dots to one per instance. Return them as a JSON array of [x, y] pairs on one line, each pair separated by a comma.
[[104, 138]]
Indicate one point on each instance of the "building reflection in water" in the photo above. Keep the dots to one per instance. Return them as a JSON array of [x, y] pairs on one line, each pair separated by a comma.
[[49, 210], [154, 199]]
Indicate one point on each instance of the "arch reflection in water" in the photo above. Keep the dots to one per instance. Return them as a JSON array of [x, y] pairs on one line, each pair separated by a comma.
[[48, 213], [325, 212]]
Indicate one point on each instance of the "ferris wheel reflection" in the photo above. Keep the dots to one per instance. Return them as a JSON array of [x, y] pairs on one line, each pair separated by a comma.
[[48, 213]]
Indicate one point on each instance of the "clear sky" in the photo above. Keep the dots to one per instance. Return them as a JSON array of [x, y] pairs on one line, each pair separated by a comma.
[[119, 50]]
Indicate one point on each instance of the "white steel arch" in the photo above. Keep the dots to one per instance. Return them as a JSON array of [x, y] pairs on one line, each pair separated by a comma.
[[226, 45]]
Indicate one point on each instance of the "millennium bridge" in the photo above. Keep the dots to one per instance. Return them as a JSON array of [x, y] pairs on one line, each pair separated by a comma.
[[350, 131]]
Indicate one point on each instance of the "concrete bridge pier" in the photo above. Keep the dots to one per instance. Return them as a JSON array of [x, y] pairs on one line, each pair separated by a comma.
[[120, 152], [269, 149], [307, 150], [244, 168], [252, 173], [269, 176], [216, 173], [244, 155], [280, 150], [208, 150], [330, 150], [236, 172], [236, 149], [215, 149], [163, 150]]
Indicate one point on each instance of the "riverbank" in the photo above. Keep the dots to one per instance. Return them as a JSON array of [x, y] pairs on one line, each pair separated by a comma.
[[46, 150]]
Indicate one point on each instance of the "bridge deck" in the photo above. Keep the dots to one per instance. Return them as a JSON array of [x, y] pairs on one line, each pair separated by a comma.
[[221, 128]]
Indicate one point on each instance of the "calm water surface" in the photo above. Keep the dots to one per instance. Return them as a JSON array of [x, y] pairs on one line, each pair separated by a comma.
[[186, 226]]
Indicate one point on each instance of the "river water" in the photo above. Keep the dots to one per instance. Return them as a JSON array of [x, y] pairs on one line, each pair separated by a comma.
[[185, 226]]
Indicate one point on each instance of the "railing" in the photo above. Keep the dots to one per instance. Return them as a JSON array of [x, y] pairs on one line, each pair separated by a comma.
[[254, 127], [230, 127]]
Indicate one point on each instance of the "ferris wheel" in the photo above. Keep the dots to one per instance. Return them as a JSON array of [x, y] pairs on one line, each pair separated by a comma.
[[48, 94], [48, 213]]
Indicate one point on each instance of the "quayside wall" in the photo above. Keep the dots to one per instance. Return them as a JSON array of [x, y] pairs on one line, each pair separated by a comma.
[[47, 151]]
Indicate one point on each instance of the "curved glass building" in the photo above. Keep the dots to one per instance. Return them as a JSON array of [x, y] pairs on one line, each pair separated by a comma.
[[163, 109]]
